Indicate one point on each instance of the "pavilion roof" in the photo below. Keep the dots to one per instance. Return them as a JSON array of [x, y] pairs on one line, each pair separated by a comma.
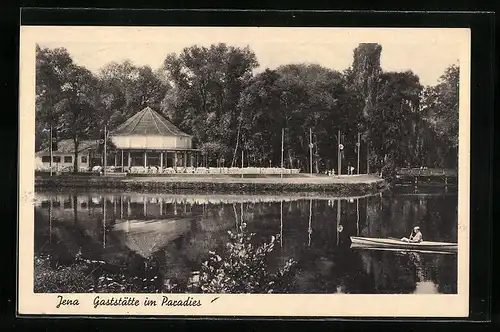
[[148, 122]]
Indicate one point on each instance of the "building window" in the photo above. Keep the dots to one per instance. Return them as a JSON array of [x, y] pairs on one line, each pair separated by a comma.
[[84, 159], [45, 159], [56, 159], [68, 159]]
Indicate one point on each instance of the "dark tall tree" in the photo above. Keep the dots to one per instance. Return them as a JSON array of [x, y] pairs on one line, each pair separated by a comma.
[[393, 123], [78, 107], [441, 108], [51, 68], [365, 72], [206, 87]]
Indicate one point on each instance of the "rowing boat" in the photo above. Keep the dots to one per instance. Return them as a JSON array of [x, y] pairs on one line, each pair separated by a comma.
[[396, 243]]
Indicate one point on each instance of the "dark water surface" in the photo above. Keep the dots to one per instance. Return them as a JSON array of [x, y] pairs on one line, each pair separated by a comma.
[[172, 234]]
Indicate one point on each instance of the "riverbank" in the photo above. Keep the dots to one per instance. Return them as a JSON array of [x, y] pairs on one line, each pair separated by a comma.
[[339, 185]]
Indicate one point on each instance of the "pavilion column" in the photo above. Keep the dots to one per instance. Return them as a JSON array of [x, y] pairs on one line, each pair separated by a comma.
[[161, 160], [116, 159], [129, 160], [191, 159], [185, 159], [145, 159], [122, 160], [175, 159]]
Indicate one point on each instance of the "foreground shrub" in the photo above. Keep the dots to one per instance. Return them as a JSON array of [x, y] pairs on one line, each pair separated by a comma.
[[244, 268], [62, 279]]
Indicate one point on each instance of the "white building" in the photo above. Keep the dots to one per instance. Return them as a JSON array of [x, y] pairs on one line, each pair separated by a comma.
[[63, 158], [148, 139]]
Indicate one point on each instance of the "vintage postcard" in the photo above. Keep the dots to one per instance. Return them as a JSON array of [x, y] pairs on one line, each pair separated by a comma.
[[244, 171]]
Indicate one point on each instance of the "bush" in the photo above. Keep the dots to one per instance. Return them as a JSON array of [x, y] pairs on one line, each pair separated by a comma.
[[244, 268], [62, 279]]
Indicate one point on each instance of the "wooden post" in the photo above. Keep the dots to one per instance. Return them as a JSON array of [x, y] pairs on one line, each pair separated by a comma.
[[282, 150], [145, 159], [359, 148], [310, 152], [161, 160], [122, 160]]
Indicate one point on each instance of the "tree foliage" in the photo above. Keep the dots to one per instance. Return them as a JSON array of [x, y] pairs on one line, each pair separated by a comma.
[[213, 94], [207, 83]]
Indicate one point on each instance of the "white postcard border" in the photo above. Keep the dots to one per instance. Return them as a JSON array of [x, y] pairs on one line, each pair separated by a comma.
[[230, 304]]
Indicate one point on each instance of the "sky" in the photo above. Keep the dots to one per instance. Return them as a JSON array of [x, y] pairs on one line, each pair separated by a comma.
[[426, 52]]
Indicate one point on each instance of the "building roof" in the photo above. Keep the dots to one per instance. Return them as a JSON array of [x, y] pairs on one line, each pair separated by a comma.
[[147, 122], [68, 146]]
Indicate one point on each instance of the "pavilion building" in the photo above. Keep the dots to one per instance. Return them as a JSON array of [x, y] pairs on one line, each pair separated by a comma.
[[149, 139]]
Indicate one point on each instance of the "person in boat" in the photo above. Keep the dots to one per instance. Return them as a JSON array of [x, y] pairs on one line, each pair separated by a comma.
[[415, 237]]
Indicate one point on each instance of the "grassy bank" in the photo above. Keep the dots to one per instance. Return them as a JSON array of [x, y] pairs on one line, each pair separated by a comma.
[[353, 185]]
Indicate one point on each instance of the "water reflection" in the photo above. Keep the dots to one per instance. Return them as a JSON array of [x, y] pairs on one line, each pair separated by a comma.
[[167, 237]]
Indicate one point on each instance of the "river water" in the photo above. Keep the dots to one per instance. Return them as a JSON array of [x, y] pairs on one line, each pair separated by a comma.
[[171, 235]]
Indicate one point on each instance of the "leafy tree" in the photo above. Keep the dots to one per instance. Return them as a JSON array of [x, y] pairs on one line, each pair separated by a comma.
[[66, 96], [206, 86], [298, 98], [441, 109], [126, 89], [244, 268], [212, 93], [51, 65], [392, 124], [78, 106], [365, 72]]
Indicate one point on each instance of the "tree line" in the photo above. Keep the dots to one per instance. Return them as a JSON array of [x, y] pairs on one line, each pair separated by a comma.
[[213, 94]]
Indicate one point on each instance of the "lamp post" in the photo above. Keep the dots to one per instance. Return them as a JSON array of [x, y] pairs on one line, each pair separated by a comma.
[[310, 152], [282, 150]]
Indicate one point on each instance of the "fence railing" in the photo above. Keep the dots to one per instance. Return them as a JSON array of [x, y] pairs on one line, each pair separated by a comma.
[[177, 170], [427, 172]]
